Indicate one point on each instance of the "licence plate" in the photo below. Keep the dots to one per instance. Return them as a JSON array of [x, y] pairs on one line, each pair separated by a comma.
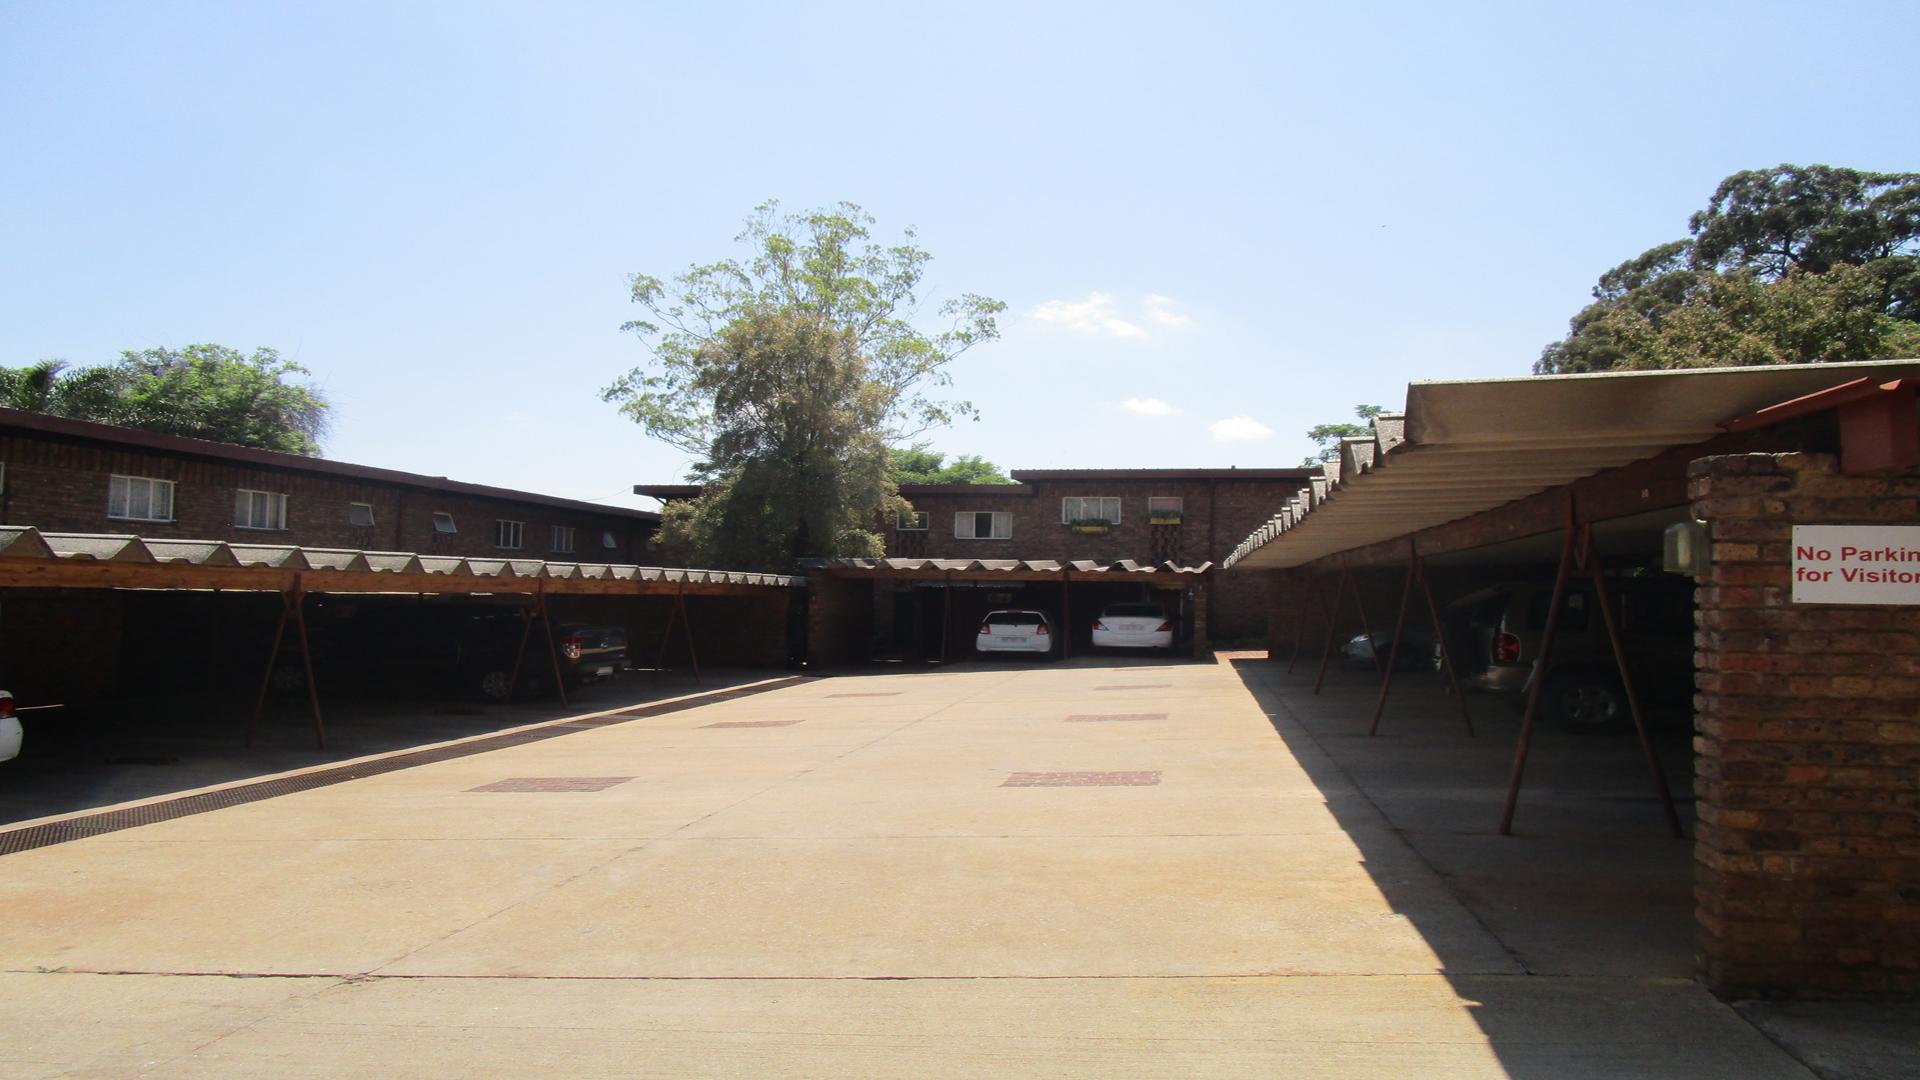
[[1021, 640], [604, 669]]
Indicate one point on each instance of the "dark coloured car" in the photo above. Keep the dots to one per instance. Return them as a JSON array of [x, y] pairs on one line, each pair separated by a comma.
[[457, 647], [1495, 636]]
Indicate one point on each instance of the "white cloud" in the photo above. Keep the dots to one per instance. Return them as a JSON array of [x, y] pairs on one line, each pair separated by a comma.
[[1148, 406], [1160, 309], [1094, 315], [1239, 429]]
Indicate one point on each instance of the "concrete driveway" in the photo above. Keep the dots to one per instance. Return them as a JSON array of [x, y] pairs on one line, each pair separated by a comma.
[[1084, 869]]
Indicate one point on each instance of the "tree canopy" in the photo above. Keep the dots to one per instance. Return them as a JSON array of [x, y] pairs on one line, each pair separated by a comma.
[[919, 465], [1327, 436], [790, 372], [1795, 264], [201, 391]]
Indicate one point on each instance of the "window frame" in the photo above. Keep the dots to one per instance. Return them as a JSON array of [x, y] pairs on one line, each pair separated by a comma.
[[126, 481], [371, 521], [1068, 518], [554, 537], [500, 534], [276, 501], [609, 541], [453, 527], [973, 523], [924, 518]]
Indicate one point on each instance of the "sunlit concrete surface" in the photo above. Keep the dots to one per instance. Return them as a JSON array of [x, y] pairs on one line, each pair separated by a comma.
[[839, 883]]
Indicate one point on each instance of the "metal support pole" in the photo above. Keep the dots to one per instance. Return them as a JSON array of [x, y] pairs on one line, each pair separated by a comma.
[[1393, 647], [946, 615], [1446, 654], [1333, 619], [1539, 674], [1300, 624], [1591, 557], [1366, 624], [666, 635], [297, 600], [553, 650], [686, 627], [266, 678], [526, 635], [1066, 615]]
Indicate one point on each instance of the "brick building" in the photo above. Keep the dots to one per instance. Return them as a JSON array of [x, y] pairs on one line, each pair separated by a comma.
[[63, 475], [1150, 516]]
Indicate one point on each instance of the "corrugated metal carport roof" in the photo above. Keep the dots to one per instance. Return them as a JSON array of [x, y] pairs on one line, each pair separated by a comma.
[[1008, 567], [31, 558], [1463, 447]]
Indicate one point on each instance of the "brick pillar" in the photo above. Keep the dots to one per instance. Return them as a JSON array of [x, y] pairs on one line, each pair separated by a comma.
[[1808, 739], [1202, 646]]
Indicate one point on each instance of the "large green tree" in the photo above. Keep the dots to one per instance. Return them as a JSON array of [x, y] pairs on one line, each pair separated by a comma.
[[200, 391], [789, 372], [1795, 264], [919, 465]]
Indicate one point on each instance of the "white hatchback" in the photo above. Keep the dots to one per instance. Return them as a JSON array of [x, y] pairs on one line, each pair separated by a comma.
[[1014, 631], [1133, 626]]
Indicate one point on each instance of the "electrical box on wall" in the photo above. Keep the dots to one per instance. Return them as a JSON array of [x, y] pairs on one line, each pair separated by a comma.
[[1687, 549]]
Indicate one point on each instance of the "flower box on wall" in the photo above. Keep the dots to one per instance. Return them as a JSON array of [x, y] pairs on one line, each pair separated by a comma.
[[1169, 518], [1092, 528]]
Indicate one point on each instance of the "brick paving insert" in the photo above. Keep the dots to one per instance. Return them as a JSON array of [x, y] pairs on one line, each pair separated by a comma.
[[1083, 779], [1136, 686], [1102, 718], [752, 723], [553, 783]]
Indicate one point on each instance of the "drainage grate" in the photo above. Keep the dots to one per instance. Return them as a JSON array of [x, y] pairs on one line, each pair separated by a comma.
[[1104, 718], [1082, 779], [59, 832], [553, 783], [752, 723], [1136, 686]]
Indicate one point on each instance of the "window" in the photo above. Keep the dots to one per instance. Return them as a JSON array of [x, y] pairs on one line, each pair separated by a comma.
[[360, 515], [139, 498], [259, 510], [1098, 509], [506, 534], [1164, 506], [983, 525], [443, 523], [608, 540], [562, 539], [913, 521]]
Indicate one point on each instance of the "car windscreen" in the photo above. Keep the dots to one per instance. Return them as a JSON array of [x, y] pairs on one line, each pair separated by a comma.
[[1139, 611], [1015, 618]]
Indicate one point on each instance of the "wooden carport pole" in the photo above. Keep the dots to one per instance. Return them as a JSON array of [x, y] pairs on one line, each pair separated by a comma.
[[538, 610], [292, 604], [1393, 647], [946, 615], [678, 613]]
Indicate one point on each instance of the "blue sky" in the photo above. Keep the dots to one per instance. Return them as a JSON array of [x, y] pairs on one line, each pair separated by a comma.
[[1214, 225]]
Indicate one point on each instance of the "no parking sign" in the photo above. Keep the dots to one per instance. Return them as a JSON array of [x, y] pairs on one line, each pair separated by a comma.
[[1856, 564]]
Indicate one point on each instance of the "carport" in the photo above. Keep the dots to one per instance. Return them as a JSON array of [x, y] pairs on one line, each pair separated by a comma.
[[1573, 477], [864, 609], [749, 612]]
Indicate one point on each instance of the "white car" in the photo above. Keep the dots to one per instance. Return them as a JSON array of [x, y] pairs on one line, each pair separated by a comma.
[[9, 728], [1133, 626], [1015, 632]]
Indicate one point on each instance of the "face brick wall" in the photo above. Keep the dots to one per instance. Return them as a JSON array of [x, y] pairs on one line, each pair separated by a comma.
[[61, 486], [1808, 721], [1216, 515]]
